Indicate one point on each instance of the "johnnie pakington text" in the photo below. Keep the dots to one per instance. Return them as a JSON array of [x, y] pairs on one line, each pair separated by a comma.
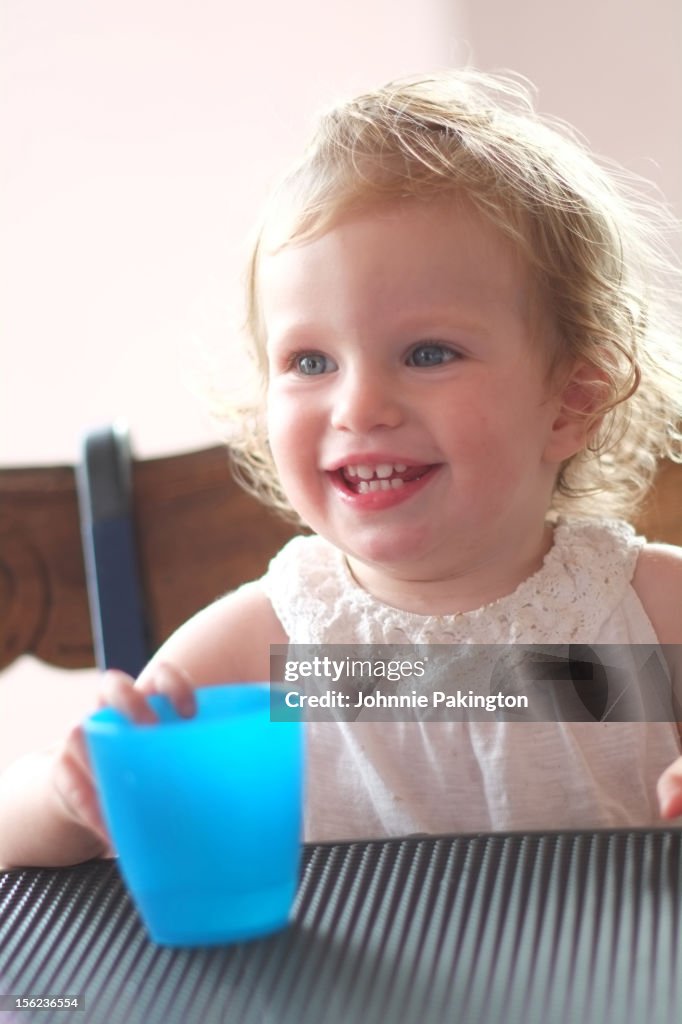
[[376, 699]]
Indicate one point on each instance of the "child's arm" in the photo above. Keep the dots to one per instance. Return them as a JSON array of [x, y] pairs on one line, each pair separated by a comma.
[[658, 583], [49, 812]]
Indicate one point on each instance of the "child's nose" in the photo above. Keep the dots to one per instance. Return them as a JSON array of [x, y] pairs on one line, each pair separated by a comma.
[[364, 401]]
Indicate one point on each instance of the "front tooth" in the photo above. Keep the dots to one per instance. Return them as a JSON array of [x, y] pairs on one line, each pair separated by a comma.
[[365, 472], [365, 486], [384, 470]]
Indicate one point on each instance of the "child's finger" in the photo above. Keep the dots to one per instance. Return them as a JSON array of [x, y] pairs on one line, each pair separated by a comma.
[[75, 788], [669, 790], [112, 677], [75, 748], [173, 683], [117, 690]]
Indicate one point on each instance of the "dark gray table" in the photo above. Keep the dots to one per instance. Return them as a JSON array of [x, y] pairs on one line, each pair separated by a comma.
[[487, 929]]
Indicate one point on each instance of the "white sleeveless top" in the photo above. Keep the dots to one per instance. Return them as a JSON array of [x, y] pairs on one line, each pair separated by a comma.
[[369, 778]]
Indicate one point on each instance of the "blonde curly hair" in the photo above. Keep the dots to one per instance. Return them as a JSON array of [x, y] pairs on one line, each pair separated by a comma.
[[598, 244]]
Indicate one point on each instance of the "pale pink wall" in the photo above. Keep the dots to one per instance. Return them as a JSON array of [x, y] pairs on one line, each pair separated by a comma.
[[139, 139], [611, 68]]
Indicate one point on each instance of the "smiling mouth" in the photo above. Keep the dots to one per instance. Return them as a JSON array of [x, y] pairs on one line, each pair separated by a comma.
[[363, 479]]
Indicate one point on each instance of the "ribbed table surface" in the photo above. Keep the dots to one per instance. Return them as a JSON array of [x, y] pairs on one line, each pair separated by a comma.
[[537, 928]]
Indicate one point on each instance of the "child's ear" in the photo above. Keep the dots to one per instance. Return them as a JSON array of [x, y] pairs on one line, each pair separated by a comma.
[[581, 397]]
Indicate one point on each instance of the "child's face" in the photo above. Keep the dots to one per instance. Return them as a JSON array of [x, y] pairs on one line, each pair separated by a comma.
[[400, 348]]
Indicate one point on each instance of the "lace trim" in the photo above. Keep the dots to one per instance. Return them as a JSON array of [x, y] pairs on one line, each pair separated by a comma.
[[583, 578]]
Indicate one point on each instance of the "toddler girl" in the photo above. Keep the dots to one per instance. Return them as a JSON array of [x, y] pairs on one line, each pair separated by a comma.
[[469, 368]]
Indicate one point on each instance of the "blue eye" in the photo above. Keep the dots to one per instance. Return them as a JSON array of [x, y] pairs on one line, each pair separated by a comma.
[[430, 354], [312, 364]]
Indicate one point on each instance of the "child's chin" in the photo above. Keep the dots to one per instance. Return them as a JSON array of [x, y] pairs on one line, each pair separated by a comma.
[[386, 548]]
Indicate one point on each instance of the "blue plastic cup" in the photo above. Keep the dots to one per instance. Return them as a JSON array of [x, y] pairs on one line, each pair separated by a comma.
[[205, 813]]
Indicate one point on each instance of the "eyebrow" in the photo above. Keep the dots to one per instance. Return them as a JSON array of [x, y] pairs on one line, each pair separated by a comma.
[[442, 320], [427, 322]]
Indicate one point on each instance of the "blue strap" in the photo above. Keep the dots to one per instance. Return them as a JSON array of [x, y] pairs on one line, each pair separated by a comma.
[[111, 564]]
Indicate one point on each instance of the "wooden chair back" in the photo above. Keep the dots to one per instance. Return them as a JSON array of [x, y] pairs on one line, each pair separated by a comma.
[[195, 534]]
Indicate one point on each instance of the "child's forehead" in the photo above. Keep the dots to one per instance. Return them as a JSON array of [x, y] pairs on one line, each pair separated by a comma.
[[445, 238], [404, 257]]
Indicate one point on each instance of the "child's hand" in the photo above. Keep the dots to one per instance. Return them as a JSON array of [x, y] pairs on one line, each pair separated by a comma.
[[72, 775], [669, 790], [117, 691], [74, 787]]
